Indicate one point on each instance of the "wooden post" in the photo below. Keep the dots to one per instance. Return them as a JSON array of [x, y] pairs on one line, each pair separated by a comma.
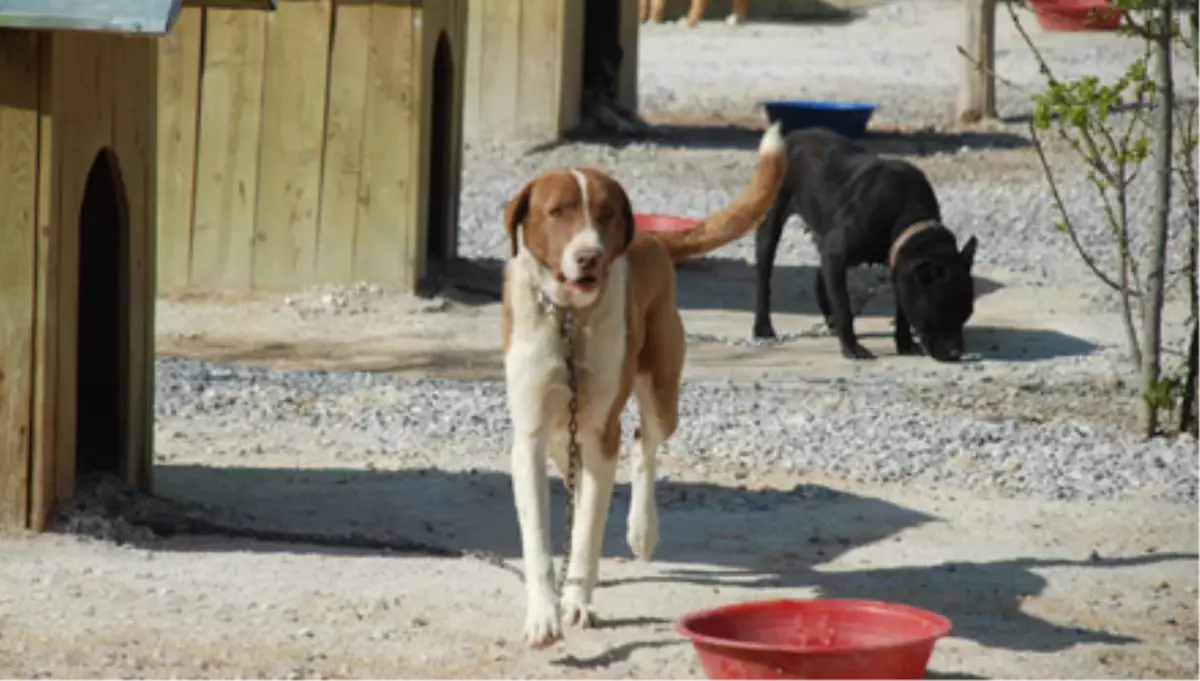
[[976, 79]]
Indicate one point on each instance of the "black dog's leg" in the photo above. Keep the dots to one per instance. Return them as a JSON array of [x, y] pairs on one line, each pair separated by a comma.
[[834, 269], [766, 243], [823, 300], [905, 345]]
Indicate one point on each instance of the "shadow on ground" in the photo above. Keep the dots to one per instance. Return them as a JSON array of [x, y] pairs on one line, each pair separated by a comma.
[[715, 283], [816, 13], [1007, 344], [678, 132], [766, 539]]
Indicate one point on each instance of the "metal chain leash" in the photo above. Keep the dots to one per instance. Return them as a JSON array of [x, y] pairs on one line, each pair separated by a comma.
[[566, 330]]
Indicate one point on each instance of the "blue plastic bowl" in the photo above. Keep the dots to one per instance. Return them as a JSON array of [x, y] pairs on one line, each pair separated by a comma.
[[846, 118]]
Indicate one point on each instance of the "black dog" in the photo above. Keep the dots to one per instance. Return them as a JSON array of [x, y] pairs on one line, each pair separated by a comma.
[[861, 208]]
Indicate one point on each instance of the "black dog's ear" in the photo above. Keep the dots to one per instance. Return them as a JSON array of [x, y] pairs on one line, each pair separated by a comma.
[[515, 214], [968, 252]]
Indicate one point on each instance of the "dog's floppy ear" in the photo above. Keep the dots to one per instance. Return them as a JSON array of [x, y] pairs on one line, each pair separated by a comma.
[[515, 214], [968, 252], [625, 210]]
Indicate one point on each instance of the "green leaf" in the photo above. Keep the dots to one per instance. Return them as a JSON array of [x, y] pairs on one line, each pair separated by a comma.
[[1077, 116]]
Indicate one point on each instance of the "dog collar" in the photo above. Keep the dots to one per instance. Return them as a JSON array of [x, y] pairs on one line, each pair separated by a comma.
[[548, 307], [908, 233]]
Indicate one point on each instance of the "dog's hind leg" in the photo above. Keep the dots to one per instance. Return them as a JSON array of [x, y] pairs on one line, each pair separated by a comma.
[[766, 244], [823, 299], [657, 409], [696, 12]]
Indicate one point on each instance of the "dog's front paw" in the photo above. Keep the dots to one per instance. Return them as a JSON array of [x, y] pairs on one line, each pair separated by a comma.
[[576, 609], [733, 20], [642, 533], [542, 623], [764, 330], [856, 351], [910, 347]]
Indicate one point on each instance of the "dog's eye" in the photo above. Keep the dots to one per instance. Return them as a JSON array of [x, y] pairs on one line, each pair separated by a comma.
[[555, 211]]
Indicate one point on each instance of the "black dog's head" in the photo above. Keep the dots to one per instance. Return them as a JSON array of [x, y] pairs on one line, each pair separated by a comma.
[[935, 288]]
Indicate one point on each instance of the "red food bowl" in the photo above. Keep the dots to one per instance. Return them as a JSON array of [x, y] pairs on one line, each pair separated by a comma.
[[655, 222], [814, 639], [1077, 15]]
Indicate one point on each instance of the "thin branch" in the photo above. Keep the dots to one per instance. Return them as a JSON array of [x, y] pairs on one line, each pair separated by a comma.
[[1062, 209], [978, 63]]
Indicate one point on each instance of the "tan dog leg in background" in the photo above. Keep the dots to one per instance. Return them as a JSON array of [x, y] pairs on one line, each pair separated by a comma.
[[739, 12], [658, 9], [696, 12]]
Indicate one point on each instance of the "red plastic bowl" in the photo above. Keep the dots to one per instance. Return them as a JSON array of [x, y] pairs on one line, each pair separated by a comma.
[[814, 639], [1077, 15], [655, 222]]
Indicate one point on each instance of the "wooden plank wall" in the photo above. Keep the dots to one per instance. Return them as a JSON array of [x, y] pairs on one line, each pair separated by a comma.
[[525, 66], [299, 132], [19, 61], [515, 68]]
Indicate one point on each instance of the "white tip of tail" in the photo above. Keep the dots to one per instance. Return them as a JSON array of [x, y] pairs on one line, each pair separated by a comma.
[[772, 141]]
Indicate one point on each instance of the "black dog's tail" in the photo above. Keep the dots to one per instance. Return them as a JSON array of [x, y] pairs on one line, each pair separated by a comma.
[[742, 215]]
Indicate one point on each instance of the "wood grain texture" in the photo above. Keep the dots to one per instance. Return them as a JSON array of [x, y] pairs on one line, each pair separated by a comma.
[[494, 72], [343, 157], [386, 210], [19, 57], [134, 138], [45, 406], [83, 122], [178, 109], [285, 250], [539, 73], [227, 162]]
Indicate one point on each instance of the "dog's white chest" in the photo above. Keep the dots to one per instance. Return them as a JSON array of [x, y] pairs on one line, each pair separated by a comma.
[[536, 361]]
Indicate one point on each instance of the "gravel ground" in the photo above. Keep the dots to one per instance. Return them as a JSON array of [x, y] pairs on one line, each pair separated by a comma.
[[1005, 431]]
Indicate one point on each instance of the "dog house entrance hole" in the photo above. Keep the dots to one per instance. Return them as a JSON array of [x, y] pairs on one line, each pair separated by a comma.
[[102, 348], [602, 53], [437, 237]]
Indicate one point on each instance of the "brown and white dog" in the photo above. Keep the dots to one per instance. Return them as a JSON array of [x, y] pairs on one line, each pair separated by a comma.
[[574, 248], [653, 10]]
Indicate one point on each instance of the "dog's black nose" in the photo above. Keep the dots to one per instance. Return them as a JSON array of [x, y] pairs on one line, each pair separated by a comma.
[[587, 259]]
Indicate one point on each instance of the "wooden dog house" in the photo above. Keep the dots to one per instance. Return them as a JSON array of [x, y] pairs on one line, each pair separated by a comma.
[[319, 143], [526, 61], [77, 189]]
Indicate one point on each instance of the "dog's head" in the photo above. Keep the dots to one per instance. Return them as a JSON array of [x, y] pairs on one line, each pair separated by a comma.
[[936, 290], [567, 227]]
